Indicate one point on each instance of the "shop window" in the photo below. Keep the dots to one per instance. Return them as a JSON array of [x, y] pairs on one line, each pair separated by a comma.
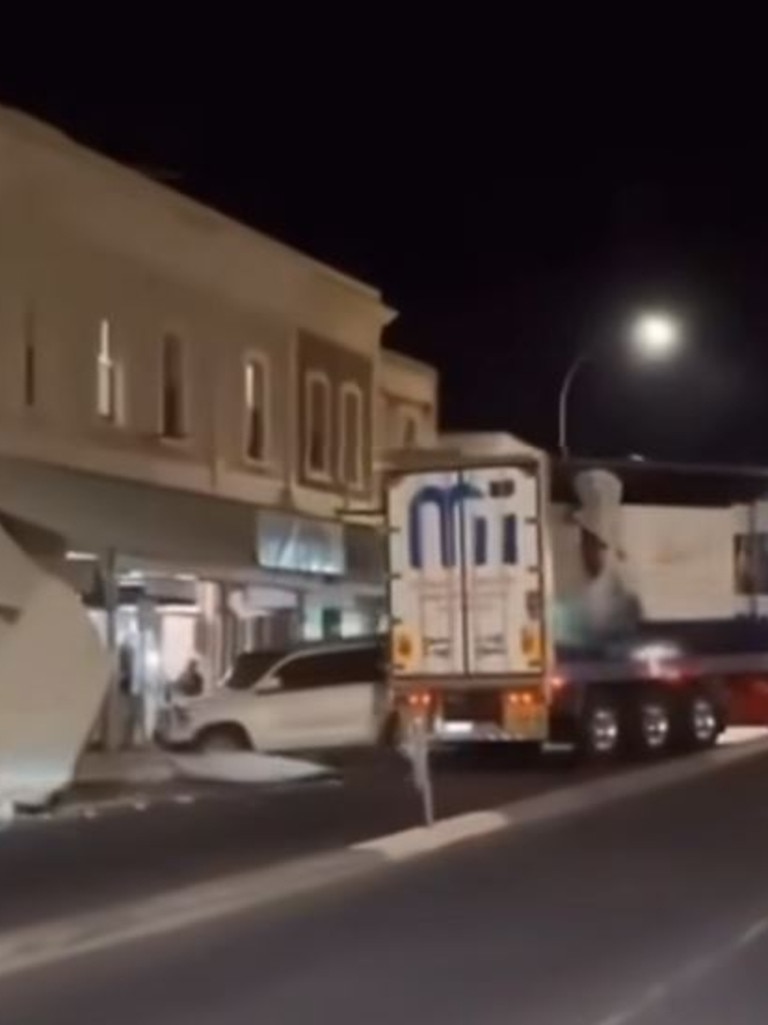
[[256, 398], [108, 377], [173, 397], [351, 435], [317, 442]]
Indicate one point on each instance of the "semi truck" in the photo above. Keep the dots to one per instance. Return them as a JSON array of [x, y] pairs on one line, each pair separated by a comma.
[[607, 605]]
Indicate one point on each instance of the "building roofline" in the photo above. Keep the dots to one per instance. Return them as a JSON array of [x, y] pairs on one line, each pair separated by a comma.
[[401, 359], [18, 123]]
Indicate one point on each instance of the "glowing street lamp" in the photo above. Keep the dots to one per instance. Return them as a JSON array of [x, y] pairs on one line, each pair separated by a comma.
[[656, 335], [653, 336]]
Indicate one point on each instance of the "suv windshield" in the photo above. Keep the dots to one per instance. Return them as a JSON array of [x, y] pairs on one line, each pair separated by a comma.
[[250, 667]]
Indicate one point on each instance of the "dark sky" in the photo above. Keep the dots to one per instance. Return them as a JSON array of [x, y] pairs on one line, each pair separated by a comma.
[[513, 206]]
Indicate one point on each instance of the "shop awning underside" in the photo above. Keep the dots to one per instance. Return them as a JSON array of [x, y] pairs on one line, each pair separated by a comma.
[[161, 528]]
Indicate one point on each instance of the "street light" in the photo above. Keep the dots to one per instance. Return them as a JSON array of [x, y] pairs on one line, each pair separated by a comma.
[[656, 335], [653, 336]]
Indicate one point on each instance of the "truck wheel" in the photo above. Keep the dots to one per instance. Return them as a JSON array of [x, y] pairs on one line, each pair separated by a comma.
[[601, 729], [699, 725], [651, 729]]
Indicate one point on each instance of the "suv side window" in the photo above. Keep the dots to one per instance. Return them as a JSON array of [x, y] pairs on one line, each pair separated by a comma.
[[362, 665], [305, 672], [332, 668]]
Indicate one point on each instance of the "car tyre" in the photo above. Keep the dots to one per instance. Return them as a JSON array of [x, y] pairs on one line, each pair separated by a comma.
[[223, 739]]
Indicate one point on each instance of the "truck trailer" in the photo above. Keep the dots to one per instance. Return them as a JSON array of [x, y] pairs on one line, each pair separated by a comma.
[[606, 605]]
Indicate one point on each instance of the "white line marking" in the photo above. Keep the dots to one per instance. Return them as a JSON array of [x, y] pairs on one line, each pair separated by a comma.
[[38, 946], [424, 839], [698, 968], [692, 972], [753, 933], [619, 1018], [25, 949]]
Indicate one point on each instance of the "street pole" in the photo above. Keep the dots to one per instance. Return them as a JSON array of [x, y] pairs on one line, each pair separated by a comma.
[[419, 754], [565, 392], [654, 336], [113, 705]]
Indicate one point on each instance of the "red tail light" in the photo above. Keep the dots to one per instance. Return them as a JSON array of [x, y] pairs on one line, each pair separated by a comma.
[[520, 697]]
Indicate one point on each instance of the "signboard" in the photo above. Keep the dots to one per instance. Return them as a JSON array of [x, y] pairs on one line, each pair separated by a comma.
[[298, 544]]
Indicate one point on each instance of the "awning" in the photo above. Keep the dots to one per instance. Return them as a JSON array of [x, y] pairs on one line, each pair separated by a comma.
[[98, 514], [163, 529]]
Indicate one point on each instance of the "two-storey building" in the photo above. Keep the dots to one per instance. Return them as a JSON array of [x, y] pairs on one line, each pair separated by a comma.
[[191, 404], [408, 402]]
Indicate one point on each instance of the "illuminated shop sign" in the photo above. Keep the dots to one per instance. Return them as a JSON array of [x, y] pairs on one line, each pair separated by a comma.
[[297, 544]]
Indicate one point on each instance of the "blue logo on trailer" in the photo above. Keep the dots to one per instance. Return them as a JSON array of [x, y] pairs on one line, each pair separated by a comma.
[[452, 508]]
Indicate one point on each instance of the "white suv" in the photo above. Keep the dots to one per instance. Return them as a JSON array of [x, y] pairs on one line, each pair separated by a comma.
[[329, 696]]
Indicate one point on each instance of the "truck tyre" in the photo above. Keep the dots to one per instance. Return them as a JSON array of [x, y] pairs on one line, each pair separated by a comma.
[[699, 723], [601, 729], [651, 726]]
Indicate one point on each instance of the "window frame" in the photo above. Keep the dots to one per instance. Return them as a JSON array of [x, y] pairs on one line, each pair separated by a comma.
[[348, 390], [311, 379], [113, 414], [30, 390], [183, 411], [251, 358], [409, 420]]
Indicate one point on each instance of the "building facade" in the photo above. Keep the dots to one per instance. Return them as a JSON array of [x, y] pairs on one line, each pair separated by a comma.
[[193, 405], [408, 402]]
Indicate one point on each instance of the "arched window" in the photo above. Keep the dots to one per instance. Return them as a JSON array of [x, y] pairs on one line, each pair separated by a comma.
[[317, 425], [256, 397], [351, 435]]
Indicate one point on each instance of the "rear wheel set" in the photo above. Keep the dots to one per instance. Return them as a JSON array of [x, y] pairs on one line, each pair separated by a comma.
[[649, 725], [611, 727]]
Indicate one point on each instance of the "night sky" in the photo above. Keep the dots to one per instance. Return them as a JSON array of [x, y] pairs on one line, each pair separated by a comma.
[[511, 216]]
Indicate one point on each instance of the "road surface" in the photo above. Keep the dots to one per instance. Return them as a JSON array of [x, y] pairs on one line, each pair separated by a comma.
[[54, 869], [652, 912]]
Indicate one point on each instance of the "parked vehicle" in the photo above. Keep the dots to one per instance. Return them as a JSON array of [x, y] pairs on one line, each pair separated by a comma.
[[530, 603], [313, 698]]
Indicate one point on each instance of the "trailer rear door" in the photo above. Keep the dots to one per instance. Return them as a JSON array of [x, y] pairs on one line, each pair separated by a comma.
[[465, 557]]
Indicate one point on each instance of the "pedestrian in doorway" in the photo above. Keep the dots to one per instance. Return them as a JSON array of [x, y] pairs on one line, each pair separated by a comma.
[[191, 682]]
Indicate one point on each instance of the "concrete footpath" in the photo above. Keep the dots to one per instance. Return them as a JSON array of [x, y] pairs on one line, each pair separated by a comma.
[[107, 782], [48, 942]]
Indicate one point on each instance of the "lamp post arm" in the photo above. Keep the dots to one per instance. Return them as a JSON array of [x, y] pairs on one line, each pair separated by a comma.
[[565, 391]]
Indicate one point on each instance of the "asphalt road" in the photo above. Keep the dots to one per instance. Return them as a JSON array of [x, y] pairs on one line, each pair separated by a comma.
[[54, 869], [648, 913]]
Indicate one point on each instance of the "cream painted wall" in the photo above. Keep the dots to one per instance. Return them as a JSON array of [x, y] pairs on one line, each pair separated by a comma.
[[83, 239], [408, 390], [71, 284]]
